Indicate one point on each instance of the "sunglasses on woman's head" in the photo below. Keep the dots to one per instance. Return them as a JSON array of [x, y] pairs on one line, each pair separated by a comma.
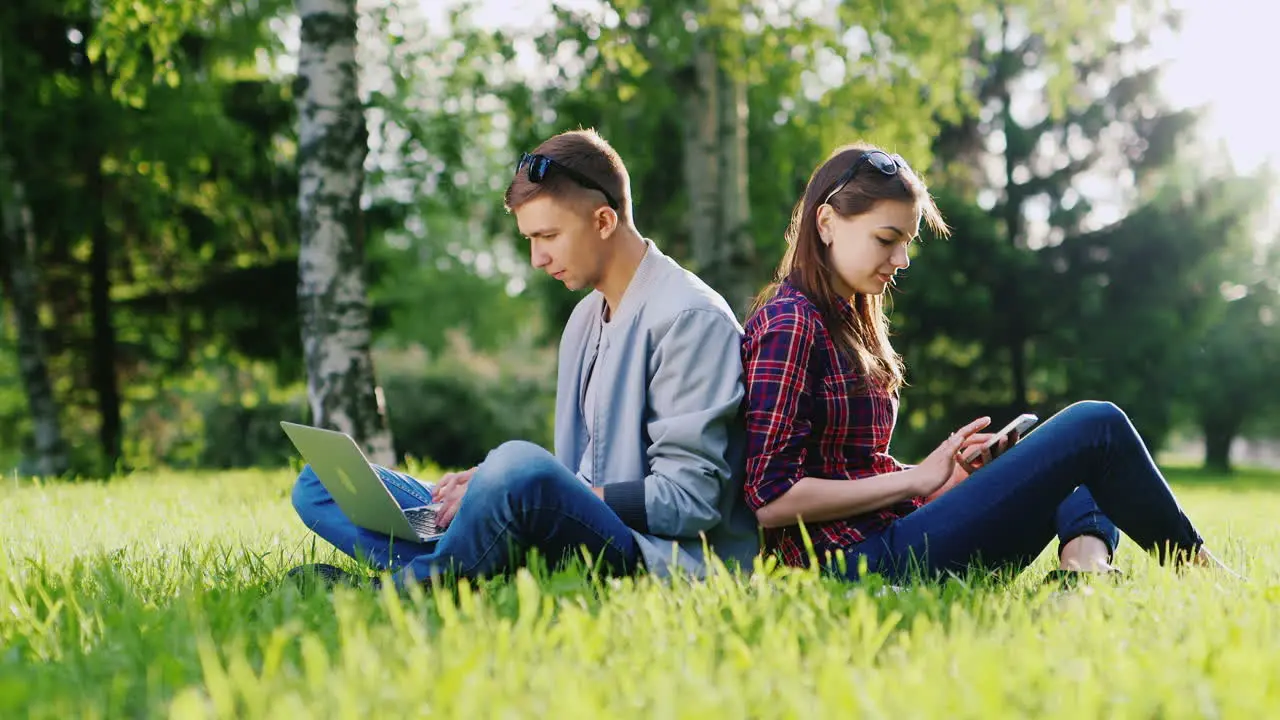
[[540, 165], [878, 159]]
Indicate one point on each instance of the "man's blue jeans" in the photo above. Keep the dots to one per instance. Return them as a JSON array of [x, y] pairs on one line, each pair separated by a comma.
[[1080, 470], [520, 499]]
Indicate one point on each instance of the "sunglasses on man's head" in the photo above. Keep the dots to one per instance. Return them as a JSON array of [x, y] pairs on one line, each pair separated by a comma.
[[540, 165], [878, 159]]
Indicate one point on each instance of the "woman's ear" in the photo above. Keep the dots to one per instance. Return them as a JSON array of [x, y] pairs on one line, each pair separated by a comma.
[[824, 223]]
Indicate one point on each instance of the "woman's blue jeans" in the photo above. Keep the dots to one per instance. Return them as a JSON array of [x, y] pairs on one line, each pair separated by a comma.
[[1082, 470], [520, 499]]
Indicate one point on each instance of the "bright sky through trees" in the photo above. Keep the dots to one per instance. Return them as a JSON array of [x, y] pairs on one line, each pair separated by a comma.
[[1222, 58]]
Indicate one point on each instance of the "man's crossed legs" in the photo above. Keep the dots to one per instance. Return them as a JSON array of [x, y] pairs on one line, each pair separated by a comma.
[[521, 498]]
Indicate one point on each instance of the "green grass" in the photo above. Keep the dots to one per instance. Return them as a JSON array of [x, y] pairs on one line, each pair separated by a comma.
[[160, 596]]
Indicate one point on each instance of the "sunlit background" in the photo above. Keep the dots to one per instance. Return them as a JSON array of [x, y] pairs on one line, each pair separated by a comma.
[[1138, 271], [1222, 59], [1218, 62]]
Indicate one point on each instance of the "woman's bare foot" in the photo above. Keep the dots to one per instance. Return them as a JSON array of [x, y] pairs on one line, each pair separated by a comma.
[[1085, 553]]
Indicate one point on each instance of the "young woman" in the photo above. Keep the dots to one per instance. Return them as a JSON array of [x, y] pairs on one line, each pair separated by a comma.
[[822, 382]]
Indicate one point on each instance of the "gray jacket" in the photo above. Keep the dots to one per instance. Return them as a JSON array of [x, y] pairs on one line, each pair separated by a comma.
[[669, 439]]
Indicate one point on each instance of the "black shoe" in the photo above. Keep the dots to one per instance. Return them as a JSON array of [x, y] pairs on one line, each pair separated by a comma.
[[327, 576]]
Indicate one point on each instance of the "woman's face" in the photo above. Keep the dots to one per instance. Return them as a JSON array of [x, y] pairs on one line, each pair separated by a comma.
[[865, 251]]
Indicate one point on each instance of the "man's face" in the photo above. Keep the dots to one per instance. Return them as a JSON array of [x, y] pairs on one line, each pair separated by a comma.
[[566, 241]]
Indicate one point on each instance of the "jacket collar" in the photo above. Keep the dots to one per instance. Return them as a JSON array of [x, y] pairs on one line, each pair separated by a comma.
[[647, 274]]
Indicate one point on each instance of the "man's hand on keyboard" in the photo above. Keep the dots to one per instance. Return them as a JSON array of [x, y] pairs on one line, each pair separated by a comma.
[[449, 493]]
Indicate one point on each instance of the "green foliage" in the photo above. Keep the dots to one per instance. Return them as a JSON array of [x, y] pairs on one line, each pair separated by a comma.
[[161, 134], [220, 415], [151, 208], [453, 407], [1231, 365], [15, 418], [458, 107], [815, 82], [422, 295], [162, 596], [446, 408], [444, 255], [148, 44], [1035, 303], [948, 319], [1142, 294]]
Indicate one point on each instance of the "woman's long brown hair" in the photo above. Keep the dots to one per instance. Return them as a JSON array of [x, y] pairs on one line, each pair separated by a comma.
[[863, 338]]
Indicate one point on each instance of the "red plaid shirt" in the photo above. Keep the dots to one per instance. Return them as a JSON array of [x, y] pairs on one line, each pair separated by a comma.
[[811, 414]]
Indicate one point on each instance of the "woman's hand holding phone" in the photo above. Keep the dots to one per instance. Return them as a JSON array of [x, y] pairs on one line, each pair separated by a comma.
[[934, 473], [992, 446], [969, 460], [969, 450]]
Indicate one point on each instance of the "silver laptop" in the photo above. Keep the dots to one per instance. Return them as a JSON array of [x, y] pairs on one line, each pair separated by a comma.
[[345, 472]]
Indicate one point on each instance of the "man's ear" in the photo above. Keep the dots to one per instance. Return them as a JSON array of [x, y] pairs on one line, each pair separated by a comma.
[[606, 220]]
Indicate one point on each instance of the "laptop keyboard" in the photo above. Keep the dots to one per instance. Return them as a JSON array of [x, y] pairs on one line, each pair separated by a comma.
[[423, 520]]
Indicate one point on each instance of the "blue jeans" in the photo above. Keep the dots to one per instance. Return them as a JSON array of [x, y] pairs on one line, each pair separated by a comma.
[[520, 499], [1080, 467]]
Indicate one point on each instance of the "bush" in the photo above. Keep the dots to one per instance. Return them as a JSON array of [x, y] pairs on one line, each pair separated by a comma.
[[220, 416], [446, 410], [239, 436], [452, 410]]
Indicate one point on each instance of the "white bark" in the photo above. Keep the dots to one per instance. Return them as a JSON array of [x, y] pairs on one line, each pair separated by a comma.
[[17, 243], [332, 297], [736, 249], [716, 172], [701, 156]]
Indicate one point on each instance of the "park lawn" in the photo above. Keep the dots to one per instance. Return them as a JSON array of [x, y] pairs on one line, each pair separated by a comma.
[[160, 596]]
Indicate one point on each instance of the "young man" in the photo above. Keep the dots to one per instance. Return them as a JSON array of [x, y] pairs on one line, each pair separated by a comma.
[[648, 433]]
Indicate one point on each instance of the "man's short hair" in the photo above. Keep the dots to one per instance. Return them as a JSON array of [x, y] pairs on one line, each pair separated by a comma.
[[586, 152]]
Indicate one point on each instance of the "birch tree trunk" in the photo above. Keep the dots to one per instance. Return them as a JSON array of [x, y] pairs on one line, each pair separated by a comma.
[[736, 256], [333, 303], [17, 246], [701, 156], [715, 172], [22, 282]]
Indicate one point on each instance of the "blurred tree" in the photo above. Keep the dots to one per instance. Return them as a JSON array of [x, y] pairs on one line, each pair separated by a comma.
[[159, 188], [757, 90], [166, 218], [1067, 125], [697, 96], [712, 91], [441, 248], [1146, 290], [1232, 382], [1229, 389], [946, 323], [20, 278], [332, 295]]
